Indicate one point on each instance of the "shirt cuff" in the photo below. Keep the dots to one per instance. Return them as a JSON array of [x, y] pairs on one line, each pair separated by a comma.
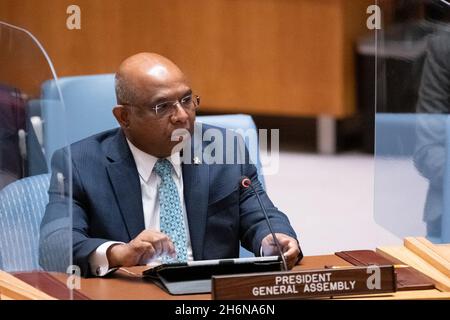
[[98, 259]]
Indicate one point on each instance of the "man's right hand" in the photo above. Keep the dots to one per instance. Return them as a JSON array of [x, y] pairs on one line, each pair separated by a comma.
[[149, 244]]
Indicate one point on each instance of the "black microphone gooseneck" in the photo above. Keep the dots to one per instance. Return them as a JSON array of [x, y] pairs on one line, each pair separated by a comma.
[[247, 183]]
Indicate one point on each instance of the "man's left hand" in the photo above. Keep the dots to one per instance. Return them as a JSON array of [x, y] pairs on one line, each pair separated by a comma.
[[288, 245]]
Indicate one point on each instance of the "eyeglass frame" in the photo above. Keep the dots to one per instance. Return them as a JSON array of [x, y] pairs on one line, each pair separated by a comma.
[[195, 100]]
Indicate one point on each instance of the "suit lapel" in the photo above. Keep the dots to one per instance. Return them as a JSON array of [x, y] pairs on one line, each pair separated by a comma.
[[125, 181], [196, 190], [196, 194]]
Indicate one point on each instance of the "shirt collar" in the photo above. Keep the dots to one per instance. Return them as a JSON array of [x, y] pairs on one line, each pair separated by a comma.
[[145, 162]]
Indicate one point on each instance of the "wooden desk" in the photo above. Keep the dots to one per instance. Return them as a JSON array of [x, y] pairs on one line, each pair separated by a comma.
[[127, 284]]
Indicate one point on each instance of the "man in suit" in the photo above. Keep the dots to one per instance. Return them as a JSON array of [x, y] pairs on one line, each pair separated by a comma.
[[135, 202]]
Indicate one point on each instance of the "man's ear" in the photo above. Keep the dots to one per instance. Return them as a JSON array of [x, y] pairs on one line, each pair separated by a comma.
[[121, 114]]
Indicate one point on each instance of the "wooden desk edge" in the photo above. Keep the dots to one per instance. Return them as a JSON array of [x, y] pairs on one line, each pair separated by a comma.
[[125, 286]]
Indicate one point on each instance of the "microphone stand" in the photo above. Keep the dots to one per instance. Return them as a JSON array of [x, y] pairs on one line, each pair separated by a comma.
[[283, 258]]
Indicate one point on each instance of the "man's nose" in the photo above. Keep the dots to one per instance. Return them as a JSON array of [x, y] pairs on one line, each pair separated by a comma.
[[179, 114]]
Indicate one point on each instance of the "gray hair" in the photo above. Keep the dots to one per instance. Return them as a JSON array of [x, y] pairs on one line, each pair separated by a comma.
[[125, 93]]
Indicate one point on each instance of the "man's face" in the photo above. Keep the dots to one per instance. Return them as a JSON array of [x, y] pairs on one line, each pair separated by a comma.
[[151, 132]]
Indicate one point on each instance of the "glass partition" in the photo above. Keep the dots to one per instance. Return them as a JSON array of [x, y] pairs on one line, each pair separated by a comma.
[[412, 127], [35, 235]]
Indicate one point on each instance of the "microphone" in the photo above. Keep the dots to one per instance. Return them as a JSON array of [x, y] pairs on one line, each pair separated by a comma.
[[246, 183]]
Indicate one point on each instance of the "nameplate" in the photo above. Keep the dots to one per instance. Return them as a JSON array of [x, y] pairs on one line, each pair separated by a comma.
[[305, 284]]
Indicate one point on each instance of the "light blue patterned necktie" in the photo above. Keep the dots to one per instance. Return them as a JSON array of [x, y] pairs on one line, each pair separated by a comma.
[[171, 214]]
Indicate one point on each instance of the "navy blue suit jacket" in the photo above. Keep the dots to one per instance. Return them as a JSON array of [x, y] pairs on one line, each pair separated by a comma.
[[107, 201]]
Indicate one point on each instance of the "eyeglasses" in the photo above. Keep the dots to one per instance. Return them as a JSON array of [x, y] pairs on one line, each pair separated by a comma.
[[189, 103]]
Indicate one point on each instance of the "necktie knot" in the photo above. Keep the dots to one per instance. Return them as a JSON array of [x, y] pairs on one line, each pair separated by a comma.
[[163, 168]]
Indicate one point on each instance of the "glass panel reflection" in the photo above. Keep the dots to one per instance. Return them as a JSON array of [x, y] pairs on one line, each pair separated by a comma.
[[28, 241], [412, 126]]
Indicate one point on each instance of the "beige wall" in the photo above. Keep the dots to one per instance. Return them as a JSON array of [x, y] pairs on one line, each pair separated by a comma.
[[285, 57]]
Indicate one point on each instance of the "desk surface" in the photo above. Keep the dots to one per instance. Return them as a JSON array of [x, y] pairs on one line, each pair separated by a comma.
[[127, 283]]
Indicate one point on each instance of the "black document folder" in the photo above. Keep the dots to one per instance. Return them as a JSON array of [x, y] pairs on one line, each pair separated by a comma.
[[195, 276]]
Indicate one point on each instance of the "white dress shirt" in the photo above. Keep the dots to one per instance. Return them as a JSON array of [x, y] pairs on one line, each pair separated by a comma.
[[150, 202]]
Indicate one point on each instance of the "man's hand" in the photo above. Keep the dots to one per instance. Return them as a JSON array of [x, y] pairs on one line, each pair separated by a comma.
[[288, 245], [149, 244]]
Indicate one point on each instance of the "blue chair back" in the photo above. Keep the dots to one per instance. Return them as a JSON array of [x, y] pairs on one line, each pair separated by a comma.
[[88, 103], [22, 206], [239, 122], [396, 137], [445, 221], [395, 134]]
